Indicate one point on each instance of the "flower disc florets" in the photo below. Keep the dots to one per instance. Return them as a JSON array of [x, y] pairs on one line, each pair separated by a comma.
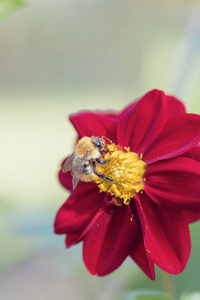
[[125, 169]]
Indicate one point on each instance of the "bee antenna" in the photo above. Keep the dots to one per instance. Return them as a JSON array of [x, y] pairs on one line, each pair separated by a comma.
[[104, 137], [107, 149]]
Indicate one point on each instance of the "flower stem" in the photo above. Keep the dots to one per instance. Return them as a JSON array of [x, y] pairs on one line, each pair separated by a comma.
[[168, 285]]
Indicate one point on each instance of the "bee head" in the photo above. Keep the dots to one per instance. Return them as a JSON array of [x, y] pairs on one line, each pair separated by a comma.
[[98, 142]]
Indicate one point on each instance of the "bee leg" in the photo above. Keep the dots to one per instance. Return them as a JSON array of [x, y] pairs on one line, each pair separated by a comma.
[[102, 162], [102, 176]]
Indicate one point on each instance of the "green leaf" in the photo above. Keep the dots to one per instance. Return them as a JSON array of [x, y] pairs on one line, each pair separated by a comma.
[[6, 6], [146, 295]]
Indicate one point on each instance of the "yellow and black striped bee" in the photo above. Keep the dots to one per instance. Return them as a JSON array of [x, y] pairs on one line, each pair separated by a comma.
[[82, 162]]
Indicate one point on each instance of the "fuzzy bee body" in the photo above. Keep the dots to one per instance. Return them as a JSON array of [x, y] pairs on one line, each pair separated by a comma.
[[83, 160]]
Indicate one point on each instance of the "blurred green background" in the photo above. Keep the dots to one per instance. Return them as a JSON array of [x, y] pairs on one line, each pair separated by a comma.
[[57, 57]]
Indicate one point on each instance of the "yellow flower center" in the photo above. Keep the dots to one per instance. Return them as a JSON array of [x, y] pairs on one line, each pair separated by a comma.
[[126, 170]]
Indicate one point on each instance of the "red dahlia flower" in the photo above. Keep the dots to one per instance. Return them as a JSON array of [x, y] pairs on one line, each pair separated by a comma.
[[154, 160]]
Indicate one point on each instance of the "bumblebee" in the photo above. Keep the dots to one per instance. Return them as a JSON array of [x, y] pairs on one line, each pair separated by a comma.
[[83, 161]]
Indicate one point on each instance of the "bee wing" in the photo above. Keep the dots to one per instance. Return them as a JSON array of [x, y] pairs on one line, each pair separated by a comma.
[[75, 181], [68, 164], [78, 168]]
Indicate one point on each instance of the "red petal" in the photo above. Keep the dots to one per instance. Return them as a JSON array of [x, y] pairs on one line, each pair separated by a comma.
[[76, 237], [194, 153], [140, 125], [95, 123], [65, 179], [175, 106], [192, 215], [130, 106], [77, 212], [181, 133], [72, 238], [110, 241], [174, 184], [166, 236], [142, 258]]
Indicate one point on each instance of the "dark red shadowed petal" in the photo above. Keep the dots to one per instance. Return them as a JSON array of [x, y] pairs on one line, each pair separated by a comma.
[[96, 123], [140, 125], [142, 258], [110, 241], [76, 237], [181, 133], [174, 184], [77, 212], [72, 239], [65, 178], [175, 106], [192, 215], [166, 235]]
